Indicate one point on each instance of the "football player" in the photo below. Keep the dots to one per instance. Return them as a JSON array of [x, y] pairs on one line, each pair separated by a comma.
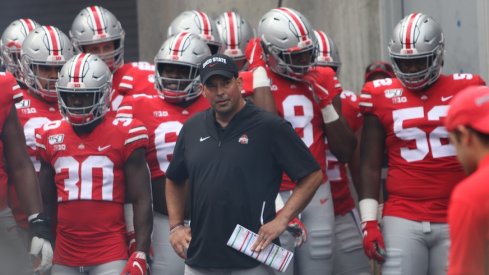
[[303, 97], [11, 81], [17, 167], [403, 116], [89, 164], [40, 63], [348, 255], [176, 70], [199, 23], [97, 31]]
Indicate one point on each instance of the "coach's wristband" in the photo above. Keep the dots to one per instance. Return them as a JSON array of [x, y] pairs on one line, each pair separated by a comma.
[[174, 228]]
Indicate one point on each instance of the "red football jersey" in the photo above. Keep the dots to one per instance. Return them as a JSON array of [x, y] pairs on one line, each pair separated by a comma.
[[8, 84], [163, 121], [90, 183], [131, 78], [6, 101], [296, 104], [33, 113], [423, 168], [336, 171]]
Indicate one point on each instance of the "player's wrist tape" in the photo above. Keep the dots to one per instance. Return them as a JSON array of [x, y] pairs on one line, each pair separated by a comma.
[[129, 217], [329, 114], [260, 78], [368, 209], [175, 227]]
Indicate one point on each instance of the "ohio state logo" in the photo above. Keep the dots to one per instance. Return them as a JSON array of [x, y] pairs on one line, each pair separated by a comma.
[[243, 139]]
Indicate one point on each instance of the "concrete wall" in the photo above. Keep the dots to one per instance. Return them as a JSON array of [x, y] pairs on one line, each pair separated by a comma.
[[353, 24]]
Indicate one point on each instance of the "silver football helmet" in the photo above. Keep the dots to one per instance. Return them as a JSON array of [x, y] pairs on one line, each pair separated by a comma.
[[11, 43], [84, 87], [235, 33], [44, 47], [179, 55], [95, 25], [328, 55], [288, 42], [417, 39], [199, 23]]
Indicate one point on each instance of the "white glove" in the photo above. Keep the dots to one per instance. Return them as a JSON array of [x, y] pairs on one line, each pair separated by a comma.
[[43, 247]]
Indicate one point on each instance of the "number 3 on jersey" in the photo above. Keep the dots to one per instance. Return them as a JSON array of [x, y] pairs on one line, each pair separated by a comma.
[[423, 140]]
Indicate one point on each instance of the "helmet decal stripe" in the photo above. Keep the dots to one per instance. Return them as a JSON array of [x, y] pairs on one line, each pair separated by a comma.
[[297, 22], [324, 47], [27, 24], [231, 22], [205, 23], [95, 15], [53, 40], [178, 43], [410, 28], [77, 67]]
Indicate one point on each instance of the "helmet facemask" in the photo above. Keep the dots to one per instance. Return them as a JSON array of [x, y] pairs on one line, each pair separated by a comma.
[[36, 82], [177, 82], [97, 100], [291, 63]]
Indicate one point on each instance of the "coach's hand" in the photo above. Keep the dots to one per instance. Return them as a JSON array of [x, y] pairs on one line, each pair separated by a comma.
[[40, 227], [180, 237], [269, 232], [373, 243]]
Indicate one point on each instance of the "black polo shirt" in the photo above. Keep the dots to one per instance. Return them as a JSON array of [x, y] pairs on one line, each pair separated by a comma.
[[232, 172]]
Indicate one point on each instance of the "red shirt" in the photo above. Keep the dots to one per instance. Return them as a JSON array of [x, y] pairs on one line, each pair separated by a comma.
[[337, 173], [6, 103], [131, 78], [468, 217], [423, 168], [163, 121], [90, 184]]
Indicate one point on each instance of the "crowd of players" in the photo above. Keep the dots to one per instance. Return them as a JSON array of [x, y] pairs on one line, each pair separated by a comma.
[[92, 122]]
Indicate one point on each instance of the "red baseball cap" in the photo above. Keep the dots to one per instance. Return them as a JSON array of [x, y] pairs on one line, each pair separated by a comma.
[[470, 107], [381, 68]]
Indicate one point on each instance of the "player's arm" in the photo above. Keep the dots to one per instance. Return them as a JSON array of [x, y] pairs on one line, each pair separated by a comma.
[[262, 95], [48, 187], [21, 171], [137, 177], [354, 163], [371, 153], [341, 139]]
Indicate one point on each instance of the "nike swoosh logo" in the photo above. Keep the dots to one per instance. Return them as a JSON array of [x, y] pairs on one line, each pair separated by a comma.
[[204, 138], [443, 98], [323, 201], [103, 148], [138, 265]]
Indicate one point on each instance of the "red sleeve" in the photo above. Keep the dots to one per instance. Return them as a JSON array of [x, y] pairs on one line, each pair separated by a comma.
[[366, 103], [247, 80], [136, 136], [138, 79], [351, 110]]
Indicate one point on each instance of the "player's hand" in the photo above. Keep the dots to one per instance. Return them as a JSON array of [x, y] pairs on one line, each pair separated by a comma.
[[42, 238], [298, 230], [254, 54], [318, 80], [269, 232], [180, 238], [373, 243], [136, 264], [131, 245]]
